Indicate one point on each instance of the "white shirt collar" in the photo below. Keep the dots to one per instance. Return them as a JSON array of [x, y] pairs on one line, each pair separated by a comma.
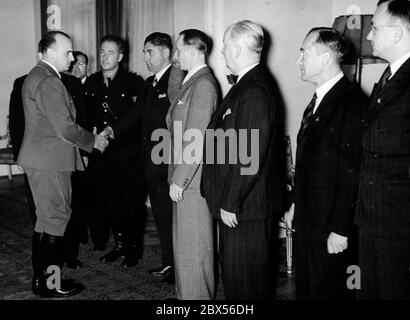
[[325, 88], [83, 80], [54, 68], [159, 74], [245, 71], [398, 63], [192, 72]]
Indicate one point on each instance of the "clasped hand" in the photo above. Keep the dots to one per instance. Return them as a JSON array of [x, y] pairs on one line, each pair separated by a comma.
[[176, 192], [100, 143]]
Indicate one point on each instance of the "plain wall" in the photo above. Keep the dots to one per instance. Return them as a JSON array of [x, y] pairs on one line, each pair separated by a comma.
[[286, 22], [18, 33]]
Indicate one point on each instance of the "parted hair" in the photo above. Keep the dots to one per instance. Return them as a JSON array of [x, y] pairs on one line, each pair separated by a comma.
[[196, 38]]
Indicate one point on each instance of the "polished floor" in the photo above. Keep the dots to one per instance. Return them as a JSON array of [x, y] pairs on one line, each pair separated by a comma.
[[104, 281]]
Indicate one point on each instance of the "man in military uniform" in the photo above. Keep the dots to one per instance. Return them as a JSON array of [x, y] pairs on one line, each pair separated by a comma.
[[111, 95]]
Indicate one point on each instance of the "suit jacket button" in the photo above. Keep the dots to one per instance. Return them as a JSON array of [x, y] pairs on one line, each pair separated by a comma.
[[379, 101]]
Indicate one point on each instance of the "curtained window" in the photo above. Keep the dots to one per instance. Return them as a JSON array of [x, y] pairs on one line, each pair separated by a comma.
[[87, 21], [140, 18], [77, 18]]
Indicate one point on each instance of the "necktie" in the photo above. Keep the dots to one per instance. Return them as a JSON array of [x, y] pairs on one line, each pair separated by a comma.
[[308, 114], [232, 78], [155, 82], [384, 79]]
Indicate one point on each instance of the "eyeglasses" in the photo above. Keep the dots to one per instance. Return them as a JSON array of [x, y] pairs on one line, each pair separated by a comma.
[[79, 65], [373, 29]]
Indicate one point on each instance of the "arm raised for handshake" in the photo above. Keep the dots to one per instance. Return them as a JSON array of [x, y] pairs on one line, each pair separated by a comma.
[[107, 133], [100, 143]]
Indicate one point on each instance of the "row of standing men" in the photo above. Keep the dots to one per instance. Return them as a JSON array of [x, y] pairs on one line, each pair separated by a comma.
[[332, 166]]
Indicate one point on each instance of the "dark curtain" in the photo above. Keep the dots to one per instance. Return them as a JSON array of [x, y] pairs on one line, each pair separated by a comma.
[[43, 12], [109, 21]]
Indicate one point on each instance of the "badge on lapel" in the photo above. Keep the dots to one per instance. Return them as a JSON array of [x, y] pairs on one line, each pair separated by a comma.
[[227, 112], [163, 95]]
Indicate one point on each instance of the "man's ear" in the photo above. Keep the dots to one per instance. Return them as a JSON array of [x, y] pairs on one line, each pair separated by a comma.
[[326, 58], [121, 55], [237, 51], [165, 53], [398, 34]]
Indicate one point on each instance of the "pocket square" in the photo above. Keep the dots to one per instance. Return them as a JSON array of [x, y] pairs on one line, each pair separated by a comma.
[[227, 112], [180, 102], [163, 95]]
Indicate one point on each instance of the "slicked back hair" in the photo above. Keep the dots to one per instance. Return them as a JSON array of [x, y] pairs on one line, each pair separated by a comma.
[[76, 54], [160, 39], [400, 9], [196, 38], [248, 31], [49, 39], [331, 39], [116, 40]]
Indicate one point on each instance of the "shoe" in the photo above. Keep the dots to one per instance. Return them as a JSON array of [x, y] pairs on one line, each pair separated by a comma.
[[36, 243], [170, 278], [114, 254], [161, 271], [74, 264], [50, 254], [68, 288], [130, 261]]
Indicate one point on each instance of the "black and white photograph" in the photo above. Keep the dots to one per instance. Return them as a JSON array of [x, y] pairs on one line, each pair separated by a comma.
[[208, 157]]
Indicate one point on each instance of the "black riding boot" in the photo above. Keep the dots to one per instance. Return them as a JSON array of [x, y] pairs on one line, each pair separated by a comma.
[[51, 250], [118, 250], [35, 259]]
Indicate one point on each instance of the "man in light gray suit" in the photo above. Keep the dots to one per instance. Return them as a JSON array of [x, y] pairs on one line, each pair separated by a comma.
[[49, 154], [191, 108]]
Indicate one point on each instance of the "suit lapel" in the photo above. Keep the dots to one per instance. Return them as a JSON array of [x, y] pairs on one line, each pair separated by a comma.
[[325, 110], [181, 92], [71, 106], [231, 96], [398, 83]]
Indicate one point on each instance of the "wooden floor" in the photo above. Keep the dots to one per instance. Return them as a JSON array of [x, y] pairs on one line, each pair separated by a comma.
[[103, 281]]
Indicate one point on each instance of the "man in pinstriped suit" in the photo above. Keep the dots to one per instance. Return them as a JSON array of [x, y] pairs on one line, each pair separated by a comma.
[[383, 213], [245, 204]]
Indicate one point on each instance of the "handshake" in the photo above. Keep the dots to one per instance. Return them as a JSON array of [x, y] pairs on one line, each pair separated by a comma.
[[101, 140]]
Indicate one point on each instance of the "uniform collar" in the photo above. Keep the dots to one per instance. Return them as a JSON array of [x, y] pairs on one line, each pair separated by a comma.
[[54, 68]]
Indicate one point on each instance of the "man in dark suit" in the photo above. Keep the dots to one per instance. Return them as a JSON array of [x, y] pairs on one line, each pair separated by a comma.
[[154, 102], [49, 154], [245, 198], [327, 170], [79, 68], [383, 213], [117, 174]]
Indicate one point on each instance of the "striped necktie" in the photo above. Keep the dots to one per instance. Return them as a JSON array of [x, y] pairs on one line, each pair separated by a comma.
[[155, 82], [308, 114]]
